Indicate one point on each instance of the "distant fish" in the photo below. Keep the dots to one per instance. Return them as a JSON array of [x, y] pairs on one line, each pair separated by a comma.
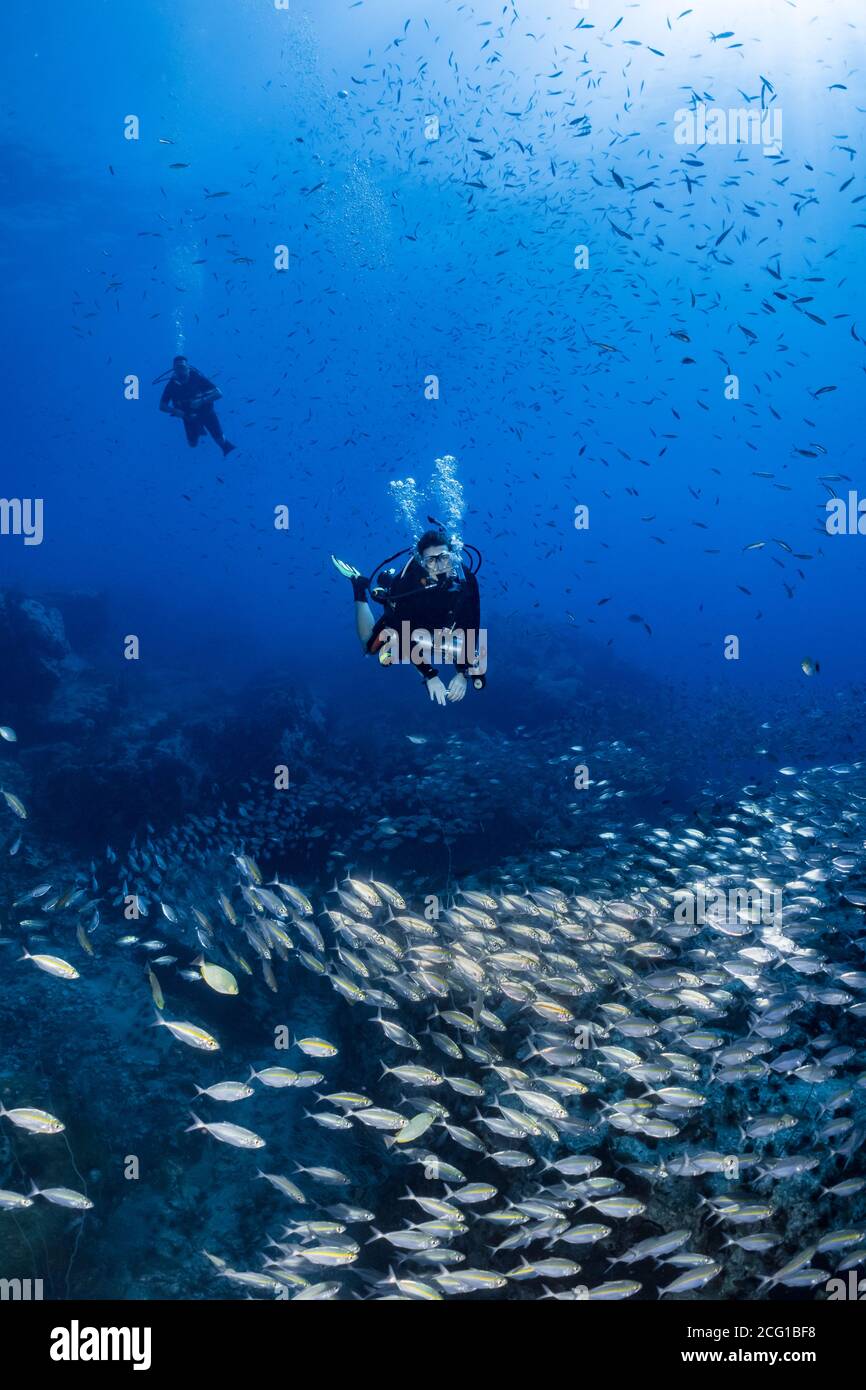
[[189, 1033], [155, 989], [316, 1047], [14, 803], [62, 1197], [35, 1121], [619, 231], [53, 965], [229, 1134]]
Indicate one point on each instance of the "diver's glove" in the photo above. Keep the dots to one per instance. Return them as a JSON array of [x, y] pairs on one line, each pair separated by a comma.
[[457, 686], [436, 689]]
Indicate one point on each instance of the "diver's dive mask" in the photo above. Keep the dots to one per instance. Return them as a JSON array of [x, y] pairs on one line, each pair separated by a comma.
[[439, 566]]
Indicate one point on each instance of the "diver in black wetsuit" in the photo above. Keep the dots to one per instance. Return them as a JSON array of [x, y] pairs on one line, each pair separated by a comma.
[[432, 608], [190, 396]]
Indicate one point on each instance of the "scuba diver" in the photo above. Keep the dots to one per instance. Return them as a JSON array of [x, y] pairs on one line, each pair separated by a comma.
[[190, 396], [432, 609]]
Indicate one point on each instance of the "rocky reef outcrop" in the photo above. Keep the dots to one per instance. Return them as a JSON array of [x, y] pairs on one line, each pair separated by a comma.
[[35, 654]]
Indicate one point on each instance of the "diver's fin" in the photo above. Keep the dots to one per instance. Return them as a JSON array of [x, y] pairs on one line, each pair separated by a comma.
[[346, 570]]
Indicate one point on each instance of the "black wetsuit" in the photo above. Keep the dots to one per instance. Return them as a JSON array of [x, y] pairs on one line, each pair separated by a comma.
[[417, 598], [180, 393]]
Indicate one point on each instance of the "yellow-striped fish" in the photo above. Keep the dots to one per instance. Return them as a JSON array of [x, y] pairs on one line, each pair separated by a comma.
[[155, 988]]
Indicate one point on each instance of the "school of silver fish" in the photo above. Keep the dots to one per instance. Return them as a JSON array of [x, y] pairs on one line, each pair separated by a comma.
[[580, 1093]]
